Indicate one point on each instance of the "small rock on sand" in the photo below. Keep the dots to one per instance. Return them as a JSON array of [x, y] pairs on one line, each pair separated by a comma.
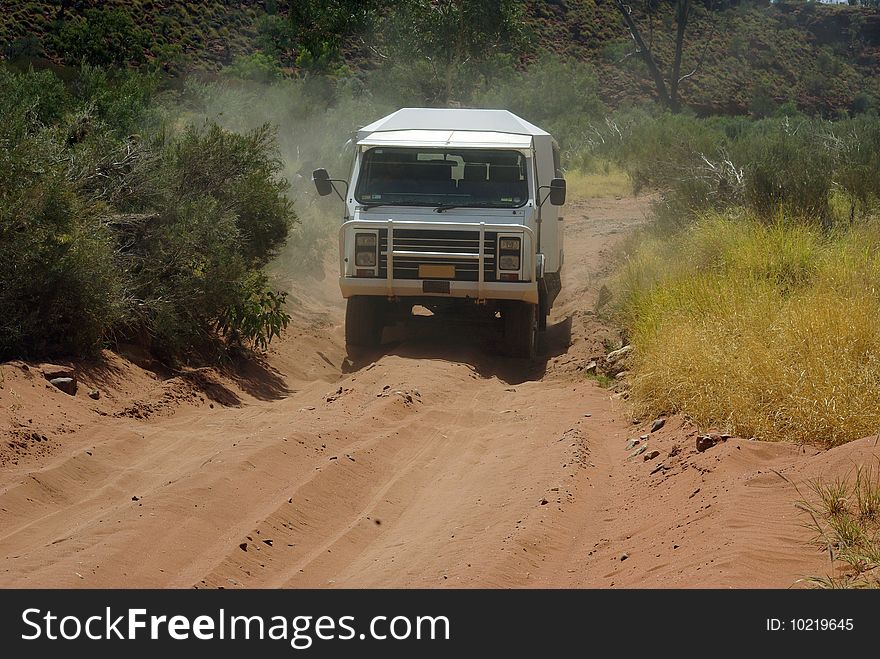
[[67, 385], [658, 423], [707, 441]]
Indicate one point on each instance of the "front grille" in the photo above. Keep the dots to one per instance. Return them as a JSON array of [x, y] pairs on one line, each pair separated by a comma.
[[438, 240]]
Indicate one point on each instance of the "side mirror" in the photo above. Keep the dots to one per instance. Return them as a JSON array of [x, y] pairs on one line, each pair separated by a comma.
[[322, 182], [557, 191]]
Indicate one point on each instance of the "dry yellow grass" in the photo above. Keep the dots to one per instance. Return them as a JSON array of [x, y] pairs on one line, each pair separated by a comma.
[[768, 331], [608, 181]]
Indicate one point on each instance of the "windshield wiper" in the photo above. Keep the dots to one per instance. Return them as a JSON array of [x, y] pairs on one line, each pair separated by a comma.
[[388, 203], [374, 205], [483, 204]]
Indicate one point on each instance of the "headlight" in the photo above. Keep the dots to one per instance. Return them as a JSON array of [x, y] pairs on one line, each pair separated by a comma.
[[509, 262], [365, 245], [365, 241], [365, 259], [509, 250]]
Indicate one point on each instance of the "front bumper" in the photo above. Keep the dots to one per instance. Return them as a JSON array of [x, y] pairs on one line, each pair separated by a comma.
[[469, 247], [526, 291]]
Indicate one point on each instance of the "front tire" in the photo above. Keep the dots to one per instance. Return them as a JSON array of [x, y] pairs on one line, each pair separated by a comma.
[[364, 321], [521, 329]]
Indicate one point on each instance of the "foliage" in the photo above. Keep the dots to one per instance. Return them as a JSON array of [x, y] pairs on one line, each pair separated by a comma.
[[450, 38], [777, 51], [103, 37], [319, 28], [117, 224], [257, 67], [257, 317], [211, 212], [61, 290], [559, 95], [790, 165]]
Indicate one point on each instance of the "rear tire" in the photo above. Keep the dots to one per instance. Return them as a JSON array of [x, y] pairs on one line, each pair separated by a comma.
[[521, 329], [543, 311], [364, 321]]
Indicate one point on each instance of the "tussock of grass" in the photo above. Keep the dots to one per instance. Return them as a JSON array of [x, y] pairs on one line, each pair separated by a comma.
[[768, 331], [601, 379], [606, 181], [844, 515]]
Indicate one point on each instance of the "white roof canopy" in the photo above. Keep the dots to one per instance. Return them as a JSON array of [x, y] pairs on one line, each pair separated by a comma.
[[441, 138], [448, 127]]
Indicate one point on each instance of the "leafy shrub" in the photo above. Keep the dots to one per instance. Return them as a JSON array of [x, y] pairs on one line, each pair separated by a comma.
[[103, 37], [61, 289], [785, 169], [257, 317], [211, 212], [559, 95], [122, 100], [37, 97], [789, 165], [156, 236], [864, 102], [258, 67], [856, 146]]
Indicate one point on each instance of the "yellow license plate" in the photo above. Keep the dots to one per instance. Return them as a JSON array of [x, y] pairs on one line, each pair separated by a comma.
[[436, 272]]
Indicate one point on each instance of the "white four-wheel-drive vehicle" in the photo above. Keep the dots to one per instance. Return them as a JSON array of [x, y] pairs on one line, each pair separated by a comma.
[[455, 210]]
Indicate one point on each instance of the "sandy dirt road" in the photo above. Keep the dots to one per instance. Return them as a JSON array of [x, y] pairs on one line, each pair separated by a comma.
[[436, 464]]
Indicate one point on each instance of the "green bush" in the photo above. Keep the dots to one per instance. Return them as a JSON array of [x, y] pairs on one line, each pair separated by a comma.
[[114, 224], [857, 173], [210, 211], [103, 37], [124, 101], [38, 97], [258, 67], [61, 290], [558, 95], [789, 165], [257, 317], [786, 169]]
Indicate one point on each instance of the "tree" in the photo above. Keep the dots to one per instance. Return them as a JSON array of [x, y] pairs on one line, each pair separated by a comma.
[[320, 26], [452, 35], [667, 86], [104, 37]]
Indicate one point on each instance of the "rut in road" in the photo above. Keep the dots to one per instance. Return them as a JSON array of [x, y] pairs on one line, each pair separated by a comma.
[[438, 463], [450, 465], [442, 482]]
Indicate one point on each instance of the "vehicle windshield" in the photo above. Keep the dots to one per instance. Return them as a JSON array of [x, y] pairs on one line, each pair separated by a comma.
[[406, 176]]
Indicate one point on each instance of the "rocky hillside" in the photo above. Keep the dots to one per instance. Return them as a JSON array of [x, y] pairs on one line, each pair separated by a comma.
[[822, 57], [751, 55]]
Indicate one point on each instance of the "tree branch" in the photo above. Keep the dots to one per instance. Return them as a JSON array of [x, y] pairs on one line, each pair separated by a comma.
[[702, 54], [645, 52], [682, 11]]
